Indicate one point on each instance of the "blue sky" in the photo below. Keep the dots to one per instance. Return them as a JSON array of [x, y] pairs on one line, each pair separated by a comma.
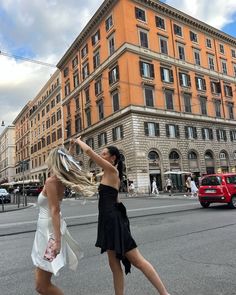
[[30, 29]]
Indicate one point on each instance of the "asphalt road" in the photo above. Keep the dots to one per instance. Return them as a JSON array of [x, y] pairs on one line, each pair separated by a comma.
[[192, 248]]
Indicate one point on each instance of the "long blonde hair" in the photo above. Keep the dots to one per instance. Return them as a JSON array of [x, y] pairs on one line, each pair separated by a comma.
[[66, 169]]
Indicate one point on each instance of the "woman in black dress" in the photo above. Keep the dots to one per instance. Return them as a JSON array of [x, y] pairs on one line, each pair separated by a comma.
[[114, 235]]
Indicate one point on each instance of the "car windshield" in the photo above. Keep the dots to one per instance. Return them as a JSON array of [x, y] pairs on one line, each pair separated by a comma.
[[231, 179], [211, 180], [3, 190]]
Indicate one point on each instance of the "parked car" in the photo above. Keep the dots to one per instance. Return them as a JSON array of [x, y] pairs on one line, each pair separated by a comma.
[[33, 190], [218, 188], [4, 196]]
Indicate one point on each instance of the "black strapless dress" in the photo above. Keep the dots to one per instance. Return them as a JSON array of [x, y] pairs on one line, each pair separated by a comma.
[[113, 225]]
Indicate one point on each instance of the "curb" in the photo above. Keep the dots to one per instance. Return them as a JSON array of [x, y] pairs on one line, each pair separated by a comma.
[[6, 208]]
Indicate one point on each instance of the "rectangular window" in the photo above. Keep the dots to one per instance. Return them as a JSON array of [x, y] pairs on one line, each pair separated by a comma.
[[76, 79], [95, 37], [88, 117], [167, 75], [113, 75], [59, 133], [109, 23], [221, 135], [58, 115], [169, 99], [181, 52], [200, 83], [84, 51], [215, 87], [228, 90], [90, 142], [207, 134], [85, 71], [148, 93], [163, 45], [100, 106], [66, 72], [58, 98], [75, 62], [143, 37], [77, 103], [78, 124], [115, 101], [211, 62], [53, 119], [184, 80], [193, 36], [140, 14], [234, 69], [178, 30], [98, 87], [218, 108], [151, 129], [67, 89], [172, 131], [187, 103], [87, 94], [231, 110], [197, 58], [96, 60], [146, 69], [68, 109], [160, 22], [203, 105], [208, 43], [233, 138], [233, 53], [190, 132], [224, 67], [102, 139], [111, 45], [222, 50], [117, 133]]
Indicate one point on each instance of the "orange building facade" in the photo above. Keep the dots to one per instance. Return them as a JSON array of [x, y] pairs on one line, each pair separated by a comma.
[[158, 84]]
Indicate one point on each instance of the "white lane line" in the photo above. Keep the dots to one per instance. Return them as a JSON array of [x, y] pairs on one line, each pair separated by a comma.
[[96, 214]]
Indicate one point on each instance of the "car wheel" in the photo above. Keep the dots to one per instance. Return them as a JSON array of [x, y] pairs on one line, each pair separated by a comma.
[[232, 203], [205, 204]]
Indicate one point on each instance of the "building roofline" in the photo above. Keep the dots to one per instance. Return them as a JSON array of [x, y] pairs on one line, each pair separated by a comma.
[[94, 21], [24, 109], [185, 18]]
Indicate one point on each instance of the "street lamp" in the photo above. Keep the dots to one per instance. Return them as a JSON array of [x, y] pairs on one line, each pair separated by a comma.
[[2, 124]]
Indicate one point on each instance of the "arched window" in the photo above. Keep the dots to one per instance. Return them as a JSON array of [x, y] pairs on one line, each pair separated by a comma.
[[223, 155], [208, 156], [174, 155], [152, 156], [192, 156]]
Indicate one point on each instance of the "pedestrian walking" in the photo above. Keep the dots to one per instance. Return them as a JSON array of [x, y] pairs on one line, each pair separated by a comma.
[[169, 185], [188, 186], [154, 187], [53, 246], [114, 234], [194, 189]]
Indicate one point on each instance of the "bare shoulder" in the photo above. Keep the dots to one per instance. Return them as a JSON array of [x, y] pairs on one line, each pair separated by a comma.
[[52, 181]]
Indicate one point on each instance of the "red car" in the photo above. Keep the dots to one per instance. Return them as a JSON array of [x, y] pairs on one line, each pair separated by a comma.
[[218, 188]]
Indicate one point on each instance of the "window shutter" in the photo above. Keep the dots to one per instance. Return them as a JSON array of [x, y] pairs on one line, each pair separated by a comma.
[[162, 74], [218, 134], [114, 134], [204, 84], [195, 132], [230, 91], [177, 131], [218, 87], [231, 135], [146, 128], [136, 12], [98, 34], [211, 133], [189, 80], [141, 68], [212, 89], [118, 74], [181, 79], [121, 131], [196, 81], [225, 136], [171, 76], [157, 130], [186, 131], [167, 130], [203, 134], [110, 77], [152, 73], [105, 135]]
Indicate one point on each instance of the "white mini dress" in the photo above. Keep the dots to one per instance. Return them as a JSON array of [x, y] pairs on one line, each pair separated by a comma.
[[69, 253]]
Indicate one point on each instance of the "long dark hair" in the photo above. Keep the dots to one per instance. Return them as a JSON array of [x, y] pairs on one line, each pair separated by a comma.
[[113, 151]]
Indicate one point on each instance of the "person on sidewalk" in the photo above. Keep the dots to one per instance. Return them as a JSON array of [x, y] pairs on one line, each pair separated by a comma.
[[188, 186], [114, 236], [194, 189], [169, 185], [53, 245], [154, 187]]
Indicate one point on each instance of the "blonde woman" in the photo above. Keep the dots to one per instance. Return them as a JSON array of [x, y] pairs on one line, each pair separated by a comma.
[[114, 234], [53, 246]]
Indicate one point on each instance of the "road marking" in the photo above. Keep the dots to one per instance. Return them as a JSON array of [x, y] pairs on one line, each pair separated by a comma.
[[96, 214]]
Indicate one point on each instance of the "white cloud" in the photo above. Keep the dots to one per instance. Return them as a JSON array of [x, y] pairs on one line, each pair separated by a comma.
[[217, 13]]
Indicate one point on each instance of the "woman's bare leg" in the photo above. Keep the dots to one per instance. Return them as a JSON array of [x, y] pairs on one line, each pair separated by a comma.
[[118, 277], [137, 260], [43, 283]]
